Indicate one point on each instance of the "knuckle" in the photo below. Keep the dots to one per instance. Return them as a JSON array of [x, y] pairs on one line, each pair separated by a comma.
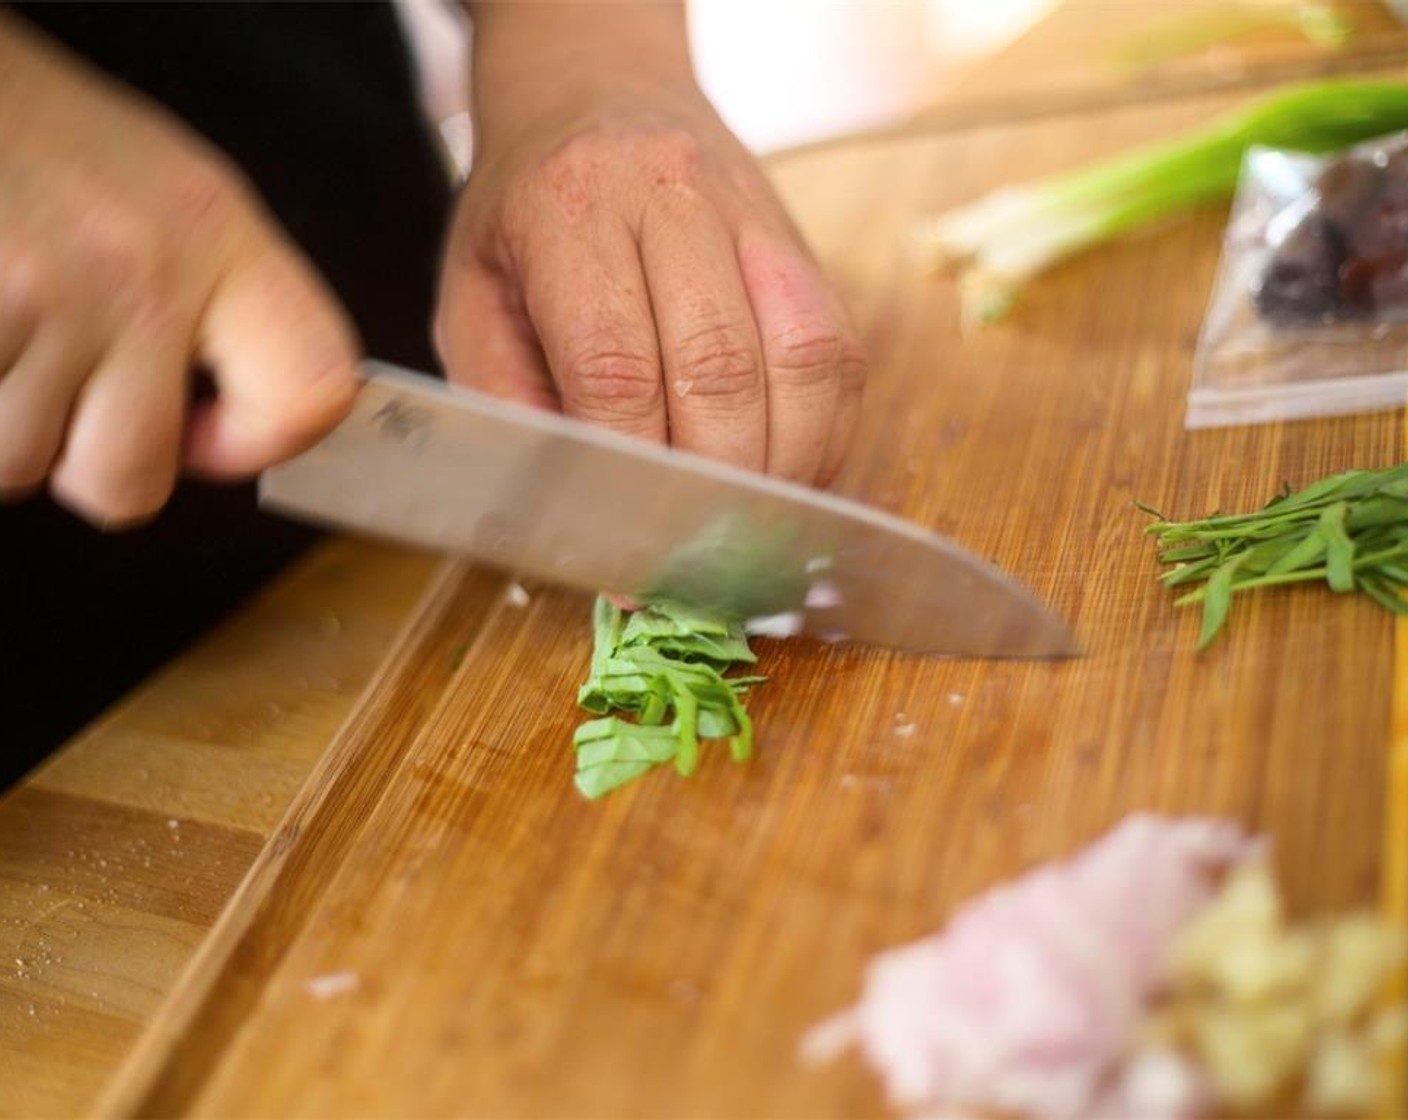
[[853, 365], [157, 314], [119, 247], [720, 362], [676, 156], [569, 178], [203, 191], [608, 376], [806, 352]]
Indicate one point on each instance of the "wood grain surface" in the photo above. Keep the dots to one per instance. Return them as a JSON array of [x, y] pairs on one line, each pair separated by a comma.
[[451, 930], [117, 857], [1093, 53]]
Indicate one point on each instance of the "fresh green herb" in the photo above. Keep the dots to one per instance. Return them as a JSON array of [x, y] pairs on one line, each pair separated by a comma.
[[1015, 233], [1349, 530], [665, 662]]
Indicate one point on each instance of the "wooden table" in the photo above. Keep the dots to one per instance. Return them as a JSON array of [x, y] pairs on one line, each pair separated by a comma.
[[480, 940]]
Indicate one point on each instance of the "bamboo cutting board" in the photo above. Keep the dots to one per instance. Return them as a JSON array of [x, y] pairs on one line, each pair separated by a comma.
[[1089, 53], [441, 926]]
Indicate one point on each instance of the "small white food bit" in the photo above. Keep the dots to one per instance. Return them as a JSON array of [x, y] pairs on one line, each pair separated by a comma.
[[823, 595], [818, 564], [332, 984], [828, 1040], [904, 726], [788, 624], [1158, 1083], [173, 824], [955, 698], [516, 595]]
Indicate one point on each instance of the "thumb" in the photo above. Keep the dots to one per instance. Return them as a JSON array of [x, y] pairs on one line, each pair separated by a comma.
[[284, 357]]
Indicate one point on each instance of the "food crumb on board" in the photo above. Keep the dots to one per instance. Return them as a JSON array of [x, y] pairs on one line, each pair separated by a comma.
[[904, 726], [955, 699], [822, 595], [516, 595], [788, 624], [332, 984]]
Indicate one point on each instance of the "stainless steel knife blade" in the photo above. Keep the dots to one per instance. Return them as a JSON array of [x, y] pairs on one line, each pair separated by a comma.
[[430, 464]]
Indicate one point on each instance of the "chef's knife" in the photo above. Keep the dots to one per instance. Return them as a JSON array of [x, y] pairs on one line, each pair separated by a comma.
[[438, 466]]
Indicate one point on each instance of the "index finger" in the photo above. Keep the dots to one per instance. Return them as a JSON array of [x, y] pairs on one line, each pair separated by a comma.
[[587, 300]]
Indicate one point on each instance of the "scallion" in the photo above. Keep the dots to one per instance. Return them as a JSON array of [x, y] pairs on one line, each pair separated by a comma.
[[1015, 233]]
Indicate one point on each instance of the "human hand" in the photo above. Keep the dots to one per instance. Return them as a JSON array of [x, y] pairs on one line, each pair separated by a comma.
[[617, 253], [129, 252]]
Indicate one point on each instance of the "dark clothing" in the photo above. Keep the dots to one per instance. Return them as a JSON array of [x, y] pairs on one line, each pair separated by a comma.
[[317, 103]]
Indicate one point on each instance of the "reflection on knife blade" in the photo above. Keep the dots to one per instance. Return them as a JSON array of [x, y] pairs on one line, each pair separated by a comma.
[[438, 466]]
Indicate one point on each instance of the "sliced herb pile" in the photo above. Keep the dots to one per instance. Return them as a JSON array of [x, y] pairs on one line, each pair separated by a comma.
[[1349, 530], [664, 666]]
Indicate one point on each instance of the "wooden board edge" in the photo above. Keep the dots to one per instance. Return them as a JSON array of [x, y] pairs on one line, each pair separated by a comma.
[[140, 1073]]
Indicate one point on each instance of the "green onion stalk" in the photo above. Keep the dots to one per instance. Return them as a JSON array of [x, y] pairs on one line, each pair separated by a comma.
[[1013, 234]]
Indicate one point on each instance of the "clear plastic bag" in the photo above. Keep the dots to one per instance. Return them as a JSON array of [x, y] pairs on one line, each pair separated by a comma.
[[1309, 312]]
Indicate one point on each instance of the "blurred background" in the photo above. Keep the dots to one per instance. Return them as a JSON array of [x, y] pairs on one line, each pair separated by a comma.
[[781, 72], [785, 72]]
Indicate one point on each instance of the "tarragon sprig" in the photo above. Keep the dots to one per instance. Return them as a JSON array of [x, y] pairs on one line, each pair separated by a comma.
[[1349, 530], [665, 662]]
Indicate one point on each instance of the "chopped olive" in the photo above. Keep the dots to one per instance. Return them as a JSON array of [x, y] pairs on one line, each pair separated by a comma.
[[1345, 187], [1348, 257], [1302, 282], [1381, 227], [1389, 287]]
